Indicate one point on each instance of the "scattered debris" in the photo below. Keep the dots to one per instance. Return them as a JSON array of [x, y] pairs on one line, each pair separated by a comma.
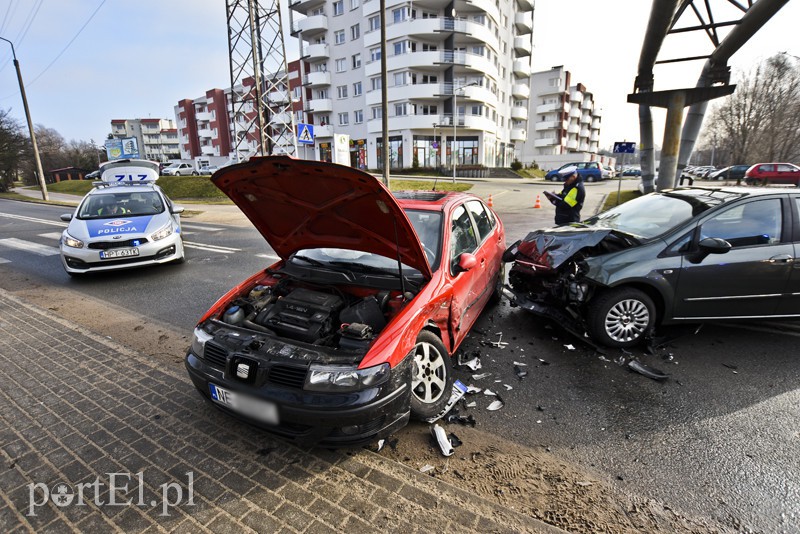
[[508, 388], [521, 373], [583, 483], [729, 366], [569, 346], [454, 441], [474, 364], [393, 444], [425, 468], [459, 389], [381, 443], [495, 405], [644, 370], [489, 392], [466, 420], [440, 436], [482, 375], [539, 407], [521, 364], [471, 404], [500, 344], [471, 390], [544, 362]]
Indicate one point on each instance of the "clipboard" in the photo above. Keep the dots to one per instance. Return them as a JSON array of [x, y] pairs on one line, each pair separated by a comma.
[[552, 197]]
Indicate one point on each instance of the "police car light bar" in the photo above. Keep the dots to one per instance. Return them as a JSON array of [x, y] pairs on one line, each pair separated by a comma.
[[129, 171]]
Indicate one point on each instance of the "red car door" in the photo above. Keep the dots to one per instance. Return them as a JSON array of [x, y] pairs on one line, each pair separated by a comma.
[[465, 304]]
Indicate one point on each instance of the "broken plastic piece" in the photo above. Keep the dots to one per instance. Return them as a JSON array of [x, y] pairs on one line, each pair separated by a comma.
[[454, 441], [472, 390], [482, 375], [381, 442], [459, 389], [521, 373], [425, 468], [521, 364], [495, 405], [489, 392], [644, 370], [544, 362], [474, 364], [471, 405], [508, 388], [441, 439], [569, 347]]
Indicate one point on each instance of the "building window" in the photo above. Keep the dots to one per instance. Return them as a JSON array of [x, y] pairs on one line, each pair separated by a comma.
[[358, 116], [354, 4], [375, 23], [376, 83], [400, 48], [401, 109], [341, 91], [376, 112], [375, 54], [400, 78], [357, 89], [344, 119], [356, 61], [355, 32], [338, 36], [341, 65], [399, 15], [338, 8]]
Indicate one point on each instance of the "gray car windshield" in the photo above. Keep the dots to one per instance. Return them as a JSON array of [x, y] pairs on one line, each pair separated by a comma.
[[650, 215]]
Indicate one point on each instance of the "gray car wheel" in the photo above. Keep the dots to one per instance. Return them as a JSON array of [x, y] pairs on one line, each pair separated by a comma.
[[431, 376], [621, 317]]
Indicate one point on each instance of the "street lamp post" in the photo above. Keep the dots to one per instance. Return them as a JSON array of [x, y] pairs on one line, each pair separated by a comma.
[[30, 124], [455, 123]]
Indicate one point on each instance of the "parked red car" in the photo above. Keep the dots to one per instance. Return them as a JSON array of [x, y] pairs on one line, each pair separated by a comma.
[[352, 331], [773, 173]]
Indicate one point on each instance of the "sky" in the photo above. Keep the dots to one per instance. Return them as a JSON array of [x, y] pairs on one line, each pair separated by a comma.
[[86, 62]]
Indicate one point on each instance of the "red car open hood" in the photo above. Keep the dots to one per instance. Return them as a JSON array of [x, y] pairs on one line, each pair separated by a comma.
[[299, 204]]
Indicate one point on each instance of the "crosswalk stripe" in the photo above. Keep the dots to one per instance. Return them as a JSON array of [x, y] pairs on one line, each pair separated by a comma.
[[52, 235], [29, 246], [211, 248], [33, 219], [3, 260], [203, 228]]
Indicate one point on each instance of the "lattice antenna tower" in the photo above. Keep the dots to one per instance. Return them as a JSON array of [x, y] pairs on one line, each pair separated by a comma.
[[260, 98]]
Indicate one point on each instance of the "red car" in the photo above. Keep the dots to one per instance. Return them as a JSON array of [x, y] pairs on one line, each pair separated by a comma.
[[772, 173], [352, 331]]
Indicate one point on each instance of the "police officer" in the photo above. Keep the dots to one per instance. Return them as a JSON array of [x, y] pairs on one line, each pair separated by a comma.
[[569, 201]]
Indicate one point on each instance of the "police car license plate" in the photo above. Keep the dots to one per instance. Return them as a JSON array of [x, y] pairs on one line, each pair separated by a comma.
[[259, 409], [118, 253]]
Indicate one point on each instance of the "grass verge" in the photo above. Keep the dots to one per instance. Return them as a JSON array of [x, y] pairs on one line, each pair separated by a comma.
[[624, 196]]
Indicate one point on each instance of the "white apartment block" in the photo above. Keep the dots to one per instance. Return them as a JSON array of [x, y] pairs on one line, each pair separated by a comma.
[[564, 121], [157, 138], [473, 54]]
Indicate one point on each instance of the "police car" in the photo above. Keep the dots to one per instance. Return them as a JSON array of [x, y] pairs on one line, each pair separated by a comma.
[[125, 221]]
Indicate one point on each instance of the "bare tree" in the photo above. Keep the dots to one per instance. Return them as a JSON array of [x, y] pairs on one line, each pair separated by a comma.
[[758, 123], [13, 147]]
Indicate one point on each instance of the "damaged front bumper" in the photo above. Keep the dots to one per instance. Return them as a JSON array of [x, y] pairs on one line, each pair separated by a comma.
[[310, 417]]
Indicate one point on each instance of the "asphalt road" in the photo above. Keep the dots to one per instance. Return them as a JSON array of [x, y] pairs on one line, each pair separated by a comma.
[[718, 439]]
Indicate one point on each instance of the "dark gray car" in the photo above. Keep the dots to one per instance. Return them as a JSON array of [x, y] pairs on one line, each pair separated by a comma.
[[685, 255]]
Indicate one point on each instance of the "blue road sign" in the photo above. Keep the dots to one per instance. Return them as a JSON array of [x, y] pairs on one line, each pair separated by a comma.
[[305, 134], [624, 148]]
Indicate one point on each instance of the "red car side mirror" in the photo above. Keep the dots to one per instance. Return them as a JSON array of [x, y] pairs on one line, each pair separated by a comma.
[[466, 262]]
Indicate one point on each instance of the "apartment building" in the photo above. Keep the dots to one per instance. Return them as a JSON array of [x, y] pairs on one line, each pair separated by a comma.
[[157, 139], [455, 71], [564, 121], [207, 127]]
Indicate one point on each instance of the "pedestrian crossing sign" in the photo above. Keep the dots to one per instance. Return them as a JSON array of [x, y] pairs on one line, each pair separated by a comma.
[[305, 134]]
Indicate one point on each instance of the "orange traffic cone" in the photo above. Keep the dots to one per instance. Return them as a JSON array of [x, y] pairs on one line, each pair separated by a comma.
[[538, 202], [491, 204]]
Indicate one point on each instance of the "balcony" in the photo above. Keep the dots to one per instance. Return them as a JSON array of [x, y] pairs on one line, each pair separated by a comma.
[[583, 147], [205, 133], [278, 97], [304, 6], [318, 79], [548, 125], [405, 61], [207, 150], [518, 134], [419, 92], [317, 52], [576, 96], [595, 123], [281, 118], [572, 145], [573, 129], [584, 132], [519, 113], [320, 105], [550, 141], [323, 131], [522, 45], [525, 5], [520, 90], [423, 29], [574, 113], [522, 68], [595, 137], [370, 8], [311, 26], [524, 22], [587, 103], [488, 6], [549, 107], [586, 118]]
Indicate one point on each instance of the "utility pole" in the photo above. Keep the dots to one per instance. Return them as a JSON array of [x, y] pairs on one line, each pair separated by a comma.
[[37, 160]]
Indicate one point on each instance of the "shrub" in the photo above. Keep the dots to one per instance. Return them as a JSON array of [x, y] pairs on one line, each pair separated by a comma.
[[516, 165]]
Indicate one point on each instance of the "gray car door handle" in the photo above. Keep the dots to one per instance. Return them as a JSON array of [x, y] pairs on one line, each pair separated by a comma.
[[781, 258]]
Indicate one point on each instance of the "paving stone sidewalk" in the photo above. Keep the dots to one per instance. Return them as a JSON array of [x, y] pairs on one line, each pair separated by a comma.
[[80, 413]]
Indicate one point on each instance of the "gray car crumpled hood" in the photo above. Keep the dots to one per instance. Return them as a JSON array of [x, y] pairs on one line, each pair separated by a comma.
[[554, 246]]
